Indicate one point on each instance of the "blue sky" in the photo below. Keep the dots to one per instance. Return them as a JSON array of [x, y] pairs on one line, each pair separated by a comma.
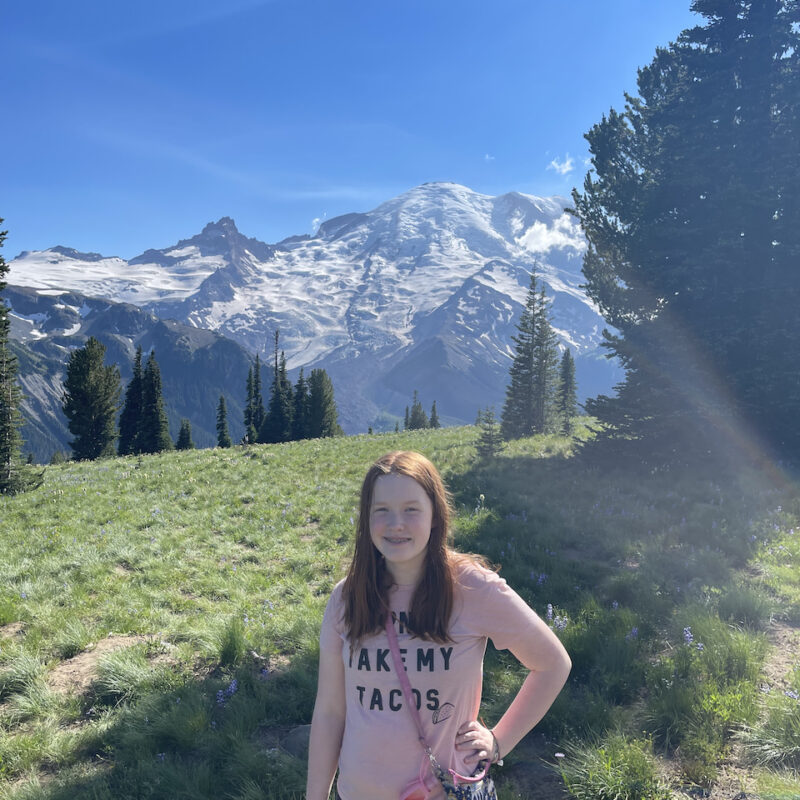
[[131, 125]]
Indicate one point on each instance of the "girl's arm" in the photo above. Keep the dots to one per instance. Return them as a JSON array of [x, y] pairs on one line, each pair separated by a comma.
[[542, 652], [535, 696], [327, 726]]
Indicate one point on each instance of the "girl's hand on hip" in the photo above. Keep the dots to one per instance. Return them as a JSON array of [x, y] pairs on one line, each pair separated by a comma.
[[476, 737]]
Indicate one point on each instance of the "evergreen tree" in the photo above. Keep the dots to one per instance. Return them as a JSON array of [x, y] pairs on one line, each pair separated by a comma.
[[690, 211], [131, 416], [223, 437], [13, 477], [249, 428], [185, 436], [302, 409], [567, 393], [545, 369], [322, 413], [153, 436], [277, 425], [530, 395], [490, 441], [258, 411], [434, 421], [418, 418], [90, 401], [406, 420]]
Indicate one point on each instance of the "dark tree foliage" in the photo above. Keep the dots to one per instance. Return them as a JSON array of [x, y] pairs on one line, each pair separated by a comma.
[[277, 425], [223, 437], [533, 377], [406, 419], [131, 417], [302, 409], [91, 401], [153, 436], [690, 211], [254, 412], [323, 416], [185, 436], [434, 420], [490, 441], [567, 400], [249, 429], [14, 477], [417, 419], [258, 411], [545, 369]]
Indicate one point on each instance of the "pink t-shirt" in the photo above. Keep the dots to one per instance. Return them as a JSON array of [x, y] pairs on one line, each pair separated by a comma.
[[381, 753]]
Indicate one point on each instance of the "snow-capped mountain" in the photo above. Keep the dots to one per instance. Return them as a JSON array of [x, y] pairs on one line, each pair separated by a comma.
[[424, 292], [196, 365]]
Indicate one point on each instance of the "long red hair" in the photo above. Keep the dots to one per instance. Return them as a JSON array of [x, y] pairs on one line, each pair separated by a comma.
[[366, 588]]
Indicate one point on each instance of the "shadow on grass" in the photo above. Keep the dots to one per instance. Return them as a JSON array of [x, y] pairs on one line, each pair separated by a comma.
[[611, 559], [207, 738]]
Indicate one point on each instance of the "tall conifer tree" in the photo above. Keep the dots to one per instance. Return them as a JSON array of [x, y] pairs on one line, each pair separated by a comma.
[[567, 403], [533, 375], [154, 429], [259, 411], [545, 369], [13, 476], [223, 437], [690, 212], [434, 420], [277, 425], [301, 416], [130, 419], [249, 429], [418, 419], [185, 436], [91, 401], [490, 442], [323, 414]]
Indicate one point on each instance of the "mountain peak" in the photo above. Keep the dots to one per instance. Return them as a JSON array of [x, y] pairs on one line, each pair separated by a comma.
[[71, 252], [225, 226]]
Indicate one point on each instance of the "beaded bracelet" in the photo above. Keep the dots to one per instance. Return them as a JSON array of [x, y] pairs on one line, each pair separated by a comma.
[[495, 751]]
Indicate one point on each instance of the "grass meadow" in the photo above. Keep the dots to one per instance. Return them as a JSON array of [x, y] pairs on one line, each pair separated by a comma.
[[159, 618]]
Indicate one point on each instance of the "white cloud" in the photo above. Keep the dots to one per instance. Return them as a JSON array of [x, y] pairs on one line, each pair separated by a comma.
[[317, 221], [563, 233], [562, 167], [487, 157]]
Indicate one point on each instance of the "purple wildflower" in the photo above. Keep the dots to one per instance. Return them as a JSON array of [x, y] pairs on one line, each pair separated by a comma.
[[687, 635]]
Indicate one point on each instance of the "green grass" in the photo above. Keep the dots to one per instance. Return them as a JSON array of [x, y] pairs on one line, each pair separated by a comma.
[[217, 565], [615, 768]]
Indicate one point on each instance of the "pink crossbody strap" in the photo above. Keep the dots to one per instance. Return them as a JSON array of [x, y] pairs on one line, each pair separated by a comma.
[[404, 682], [400, 669]]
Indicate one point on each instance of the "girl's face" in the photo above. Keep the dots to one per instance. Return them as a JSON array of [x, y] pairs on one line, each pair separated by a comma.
[[400, 519]]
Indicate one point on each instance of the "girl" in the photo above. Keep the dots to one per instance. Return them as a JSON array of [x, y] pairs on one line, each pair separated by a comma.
[[443, 606]]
